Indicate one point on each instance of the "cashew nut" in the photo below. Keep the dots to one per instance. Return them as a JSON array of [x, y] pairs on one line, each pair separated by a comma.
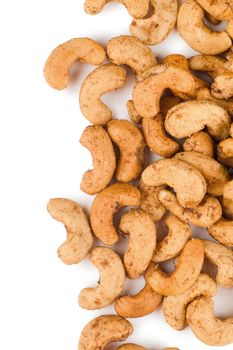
[[229, 28], [222, 87], [79, 236], [213, 65], [225, 152], [222, 231], [150, 202], [134, 116], [205, 95], [200, 142], [227, 201], [221, 10]]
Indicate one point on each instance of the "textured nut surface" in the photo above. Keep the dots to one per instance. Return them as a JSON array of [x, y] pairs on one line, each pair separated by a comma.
[[200, 142], [225, 152], [227, 200], [150, 202], [134, 116], [222, 86], [221, 10], [205, 95], [213, 65], [222, 231]]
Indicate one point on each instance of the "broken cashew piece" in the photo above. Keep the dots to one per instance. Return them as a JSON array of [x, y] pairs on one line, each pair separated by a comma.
[[150, 202], [105, 205], [186, 273], [103, 330], [102, 80], [174, 307], [222, 231], [112, 279], [227, 201], [97, 141], [57, 66], [205, 95], [222, 87], [221, 10], [200, 142], [225, 152], [79, 236]]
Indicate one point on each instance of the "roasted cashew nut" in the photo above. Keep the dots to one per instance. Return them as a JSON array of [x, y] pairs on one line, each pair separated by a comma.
[[57, 66], [222, 87], [205, 95], [200, 142], [212, 65], [150, 202], [221, 10], [104, 206], [79, 236], [225, 152], [112, 279], [227, 202], [133, 114], [222, 231], [97, 141], [102, 80]]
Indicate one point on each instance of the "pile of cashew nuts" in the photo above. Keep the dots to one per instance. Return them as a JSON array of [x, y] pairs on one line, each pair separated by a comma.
[[185, 119]]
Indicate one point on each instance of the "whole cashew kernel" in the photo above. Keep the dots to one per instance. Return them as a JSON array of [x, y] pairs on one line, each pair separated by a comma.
[[212, 65], [225, 152], [221, 10], [150, 202], [222, 87], [200, 142], [227, 200], [222, 231], [205, 95]]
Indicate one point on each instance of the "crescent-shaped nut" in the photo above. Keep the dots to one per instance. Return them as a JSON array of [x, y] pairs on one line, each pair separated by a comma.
[[225, 152], [227, 202], [222, 231], [186, 273], [112, 279], [142, 241], [156, 138], [141, 304], [102, 80], [105, 205], [187, 181], [126, 49], [150, 202], [205, 95], [221, 10], [190, 24], [97, 141], [222, 257], [200, 142], [212, 65], [130, 141], [178, 234], [79, 236], [222, 87], [204, 215], [174, 307], [156, 28], [103, 330], [147, 93], [187, 118], [167, 102], [57, 66], [206, 327]]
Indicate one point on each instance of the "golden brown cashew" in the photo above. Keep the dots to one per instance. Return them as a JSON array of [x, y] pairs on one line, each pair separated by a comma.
[[187, 118], [141, 304], [104, 206], [225, 152], [103, 330], [134, 116], [186, 273], [102, 80], [131, 144], [79, 236], [222, 231], [156, 138], [167, 102], [97, 141], [142, 241], [174, 307], [191, 27], [206, 327], [147, 93], [150, 202], [205, 95], [227, 201], [222, 87], [156, 28], [200, 142], [221, 10], [205, 214], [112, 279], [222, 257], [187, 181], [212, 65], [57, 66], [178, 235]]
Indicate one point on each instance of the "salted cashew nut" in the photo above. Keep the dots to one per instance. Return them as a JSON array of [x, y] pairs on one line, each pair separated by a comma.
[[79, 236], [212, 65], [134, 116], [187, 181], [97, 141], [221, 10], [106, 204], [58, 64], [222, 231], [102, 80], [204, 324], [112, 279], [187, 118], [225, 152], [103, 330], [157, 27], [200, 142], [130, 141], [222, 87], [186, 273], [167, 102], [205, 95], [142, 241], [150, 202], [178, 234], [175, 306], [227, 201]]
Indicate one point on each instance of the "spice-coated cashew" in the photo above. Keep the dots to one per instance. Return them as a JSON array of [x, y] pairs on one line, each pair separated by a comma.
[[222, 87], [225, 152], [150, 202], [221, 10], [205, 95], [200, 142], [213, 65], [222, 231]]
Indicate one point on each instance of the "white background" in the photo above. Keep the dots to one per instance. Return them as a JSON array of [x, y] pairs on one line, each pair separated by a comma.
[[41, 158]]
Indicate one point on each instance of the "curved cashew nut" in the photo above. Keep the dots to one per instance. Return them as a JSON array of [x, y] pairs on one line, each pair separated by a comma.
[[191, 27], [142, 231], [187, 118], [187, 181], [156, 138], [141, 304], [225, 152], [205, 95], [155, 29], [104, 206], [206, 327], [200, 142], [186, 273], [103, 330], [57, 66], [102, 80], [79, 236], [227, 202], [222, 87], [97, 141], [222, 231], [204, 215], [174, 307], [221, 10], [131, 144], [112, 279], [222, 257], [212, 65], [178, 235], [167, 102], [150, 202]]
